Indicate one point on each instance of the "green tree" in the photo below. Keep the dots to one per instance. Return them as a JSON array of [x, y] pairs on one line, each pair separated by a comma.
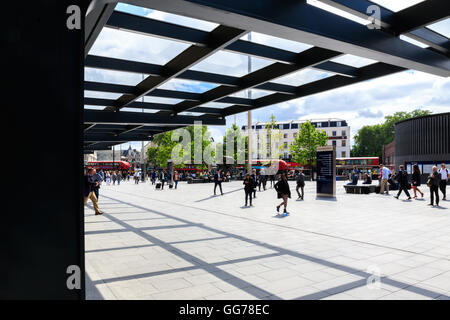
[[370, 139], [272, 131], [162, 152], [303, 149], [234, 132]]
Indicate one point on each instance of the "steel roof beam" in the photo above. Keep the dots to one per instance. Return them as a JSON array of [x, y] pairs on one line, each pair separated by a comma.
[[97, 15], [218, 38], [420, 15], [141, 118], [148, 106], [299, 21], [132, 66], [276, 70], [391, 21], [167, 30], [366, 73]]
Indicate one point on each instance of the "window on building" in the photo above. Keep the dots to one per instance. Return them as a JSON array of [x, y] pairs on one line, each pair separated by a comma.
[[285, 136], [295, 135], [344, 143], [294, 126], [285, 145], [344, 133], [343, 155], [334, 133], [319, 124], [286, 126], [334, 142], [258, 127], [338, 124]]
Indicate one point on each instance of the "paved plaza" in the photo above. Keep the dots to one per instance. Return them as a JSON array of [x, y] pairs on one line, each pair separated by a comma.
[[188, 244]]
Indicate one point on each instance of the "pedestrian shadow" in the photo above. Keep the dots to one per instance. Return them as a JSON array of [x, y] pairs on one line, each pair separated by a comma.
[[440, 207], [280, 216], [214, 196], [334, 199], [245, 207]]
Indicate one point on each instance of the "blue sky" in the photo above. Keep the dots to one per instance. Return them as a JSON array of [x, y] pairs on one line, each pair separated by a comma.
[[361, 104]]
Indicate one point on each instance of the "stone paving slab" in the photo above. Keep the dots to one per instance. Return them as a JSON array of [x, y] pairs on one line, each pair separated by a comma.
[[189, 244]]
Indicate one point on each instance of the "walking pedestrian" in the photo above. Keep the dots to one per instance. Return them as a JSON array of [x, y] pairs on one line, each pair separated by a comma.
[[175, 178], [153, 177], [218, 178], [114, 177], [402, 179], [384, 173], [416, 181], [108, 178], [97, 177], [433, 183], [255, 182], [119, 177], [300, 184], [444, 178], [283, 191], [89, 185], [248, 188]]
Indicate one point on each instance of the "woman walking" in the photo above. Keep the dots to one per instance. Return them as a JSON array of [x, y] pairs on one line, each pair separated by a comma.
[[175, 178], [416, 181], [248, 188], [284, 192]]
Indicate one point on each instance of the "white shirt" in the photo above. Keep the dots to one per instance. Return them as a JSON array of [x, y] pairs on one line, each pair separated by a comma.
[[385, 173], [444, 173]]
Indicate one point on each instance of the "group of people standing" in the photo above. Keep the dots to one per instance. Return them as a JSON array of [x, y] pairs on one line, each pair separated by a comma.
[[435, 181], [251, 182]]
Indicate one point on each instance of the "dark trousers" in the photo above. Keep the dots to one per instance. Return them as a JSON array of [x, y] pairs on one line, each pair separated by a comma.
[[301, 189], [443, 187], [434, 191], [403, 188], [220, 186], [176, 183], [248, 195]]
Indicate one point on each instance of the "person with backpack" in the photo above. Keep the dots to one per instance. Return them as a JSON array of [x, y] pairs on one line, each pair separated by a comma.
[[433, 183], [402, 179], [283, 191], [443, 183], [300, 184]]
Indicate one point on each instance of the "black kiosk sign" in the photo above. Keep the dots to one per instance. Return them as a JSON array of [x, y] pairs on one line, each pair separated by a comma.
[[326, 171]]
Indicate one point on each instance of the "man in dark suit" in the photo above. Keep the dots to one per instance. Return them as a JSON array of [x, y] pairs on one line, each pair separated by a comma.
[[218, 178], [402, 179]]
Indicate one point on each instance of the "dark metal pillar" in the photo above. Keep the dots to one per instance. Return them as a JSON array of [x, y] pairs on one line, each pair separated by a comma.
[[42, 215]]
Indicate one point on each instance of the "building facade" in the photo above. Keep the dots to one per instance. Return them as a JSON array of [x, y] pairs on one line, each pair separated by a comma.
[[388, 154], [424, 141], [338, 132]]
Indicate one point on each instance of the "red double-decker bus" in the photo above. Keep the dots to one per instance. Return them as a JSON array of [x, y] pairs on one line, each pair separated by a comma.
[[367, 164], [108, 165]]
